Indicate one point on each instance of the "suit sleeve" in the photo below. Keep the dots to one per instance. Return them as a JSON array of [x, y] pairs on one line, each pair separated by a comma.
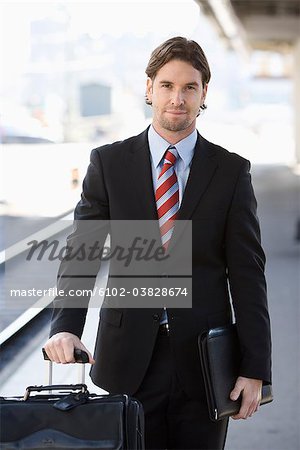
[[246, 264], [79, 267]]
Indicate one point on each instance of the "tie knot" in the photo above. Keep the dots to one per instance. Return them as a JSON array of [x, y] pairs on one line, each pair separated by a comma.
[[170, 155]]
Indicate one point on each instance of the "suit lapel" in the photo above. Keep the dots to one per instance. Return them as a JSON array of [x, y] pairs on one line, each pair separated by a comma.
[[202, 170], [140, 176]]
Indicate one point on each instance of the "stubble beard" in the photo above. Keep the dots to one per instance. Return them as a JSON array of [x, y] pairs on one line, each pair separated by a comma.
[[173, 125]]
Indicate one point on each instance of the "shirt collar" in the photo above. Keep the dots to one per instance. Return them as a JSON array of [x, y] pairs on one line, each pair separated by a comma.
[[158, 145]]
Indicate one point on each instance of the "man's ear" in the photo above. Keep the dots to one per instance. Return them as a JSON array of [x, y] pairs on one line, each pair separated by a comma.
[[204, 92], [149, 89]]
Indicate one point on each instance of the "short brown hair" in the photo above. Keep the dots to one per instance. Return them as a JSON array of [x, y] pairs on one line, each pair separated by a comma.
[[179, 48]]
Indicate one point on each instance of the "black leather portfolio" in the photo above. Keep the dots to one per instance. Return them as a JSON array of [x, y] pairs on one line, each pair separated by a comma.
[[220, 360]]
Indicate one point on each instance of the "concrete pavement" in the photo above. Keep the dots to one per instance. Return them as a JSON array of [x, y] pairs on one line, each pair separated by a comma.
[[276, 426]]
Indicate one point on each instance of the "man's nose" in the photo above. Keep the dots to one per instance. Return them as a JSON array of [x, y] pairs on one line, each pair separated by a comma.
[[177, 98]]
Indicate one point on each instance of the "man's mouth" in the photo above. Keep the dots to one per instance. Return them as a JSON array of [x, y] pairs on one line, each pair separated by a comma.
[[175, 112]]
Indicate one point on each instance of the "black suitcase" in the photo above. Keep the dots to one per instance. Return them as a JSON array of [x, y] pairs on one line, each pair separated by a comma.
[[70, 418]]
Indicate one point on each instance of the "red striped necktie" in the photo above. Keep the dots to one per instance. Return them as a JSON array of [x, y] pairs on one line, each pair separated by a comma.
[[167, 196]]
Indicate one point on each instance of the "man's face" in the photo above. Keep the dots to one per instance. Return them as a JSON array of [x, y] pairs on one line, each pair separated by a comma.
[[176, 94]]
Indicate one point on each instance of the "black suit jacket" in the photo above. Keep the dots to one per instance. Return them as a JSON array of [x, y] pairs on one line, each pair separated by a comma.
[[227, 260]]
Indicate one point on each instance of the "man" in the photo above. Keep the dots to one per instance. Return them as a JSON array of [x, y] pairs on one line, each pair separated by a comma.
[[152, 353]]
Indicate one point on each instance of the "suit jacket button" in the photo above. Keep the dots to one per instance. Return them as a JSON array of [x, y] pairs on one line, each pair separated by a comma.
[[156, 317]]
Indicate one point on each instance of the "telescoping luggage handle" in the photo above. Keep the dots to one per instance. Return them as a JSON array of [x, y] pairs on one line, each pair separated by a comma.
[[80, 357], [55, 387]]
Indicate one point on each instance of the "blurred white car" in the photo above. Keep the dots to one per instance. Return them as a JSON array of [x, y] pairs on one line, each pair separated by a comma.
[[28, 131]]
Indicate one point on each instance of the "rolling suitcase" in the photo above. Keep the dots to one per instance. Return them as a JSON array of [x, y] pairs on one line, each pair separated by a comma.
[[69, 417]]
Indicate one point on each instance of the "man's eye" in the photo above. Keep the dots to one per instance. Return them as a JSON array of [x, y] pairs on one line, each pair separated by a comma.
[[191, 88], [166, 85]]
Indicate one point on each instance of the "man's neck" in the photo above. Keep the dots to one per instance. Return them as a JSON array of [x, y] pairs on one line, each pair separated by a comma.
[[173, 137]]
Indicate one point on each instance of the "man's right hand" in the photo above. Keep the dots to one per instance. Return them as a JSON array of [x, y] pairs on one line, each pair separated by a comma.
[[60, 348]]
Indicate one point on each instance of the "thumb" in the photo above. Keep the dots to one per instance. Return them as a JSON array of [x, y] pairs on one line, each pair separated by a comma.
[[236, 392], [91, 359]]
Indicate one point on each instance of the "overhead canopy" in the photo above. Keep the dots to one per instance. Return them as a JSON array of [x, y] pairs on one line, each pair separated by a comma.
[[263, 24]]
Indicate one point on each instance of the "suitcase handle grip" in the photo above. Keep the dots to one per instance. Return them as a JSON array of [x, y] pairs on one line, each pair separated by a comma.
[[55, 387], [80, 356]]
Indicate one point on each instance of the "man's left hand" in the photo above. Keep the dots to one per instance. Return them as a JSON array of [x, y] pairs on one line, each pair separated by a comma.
[[250, 389]]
